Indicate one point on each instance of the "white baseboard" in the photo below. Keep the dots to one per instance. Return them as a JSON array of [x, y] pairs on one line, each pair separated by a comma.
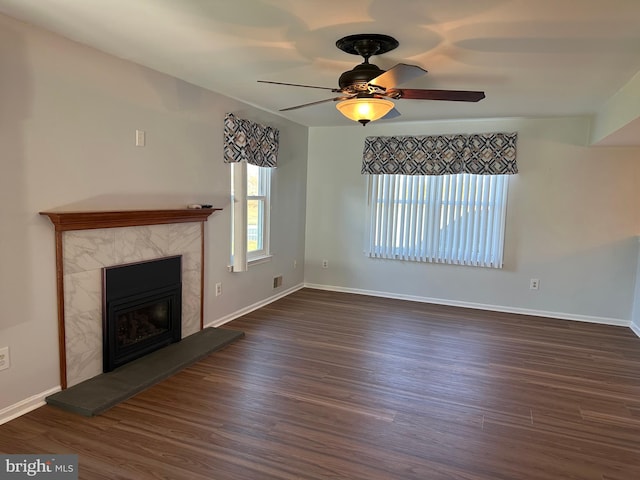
[[480, 306], [635, 328], [24, 406], [251, 308]]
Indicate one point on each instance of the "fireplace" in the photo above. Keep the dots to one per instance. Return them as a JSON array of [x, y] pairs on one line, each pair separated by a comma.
[[142, 309]]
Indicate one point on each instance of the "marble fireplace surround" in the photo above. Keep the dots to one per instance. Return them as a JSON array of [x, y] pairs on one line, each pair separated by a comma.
[[88, 241]]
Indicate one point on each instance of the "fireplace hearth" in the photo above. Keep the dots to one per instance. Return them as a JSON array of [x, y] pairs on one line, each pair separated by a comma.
[[142, 309]]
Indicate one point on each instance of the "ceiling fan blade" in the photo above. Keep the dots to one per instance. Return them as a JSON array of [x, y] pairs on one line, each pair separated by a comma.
[[450, 95], [336, 90], [393, 113], [398, 75], [314, 103]]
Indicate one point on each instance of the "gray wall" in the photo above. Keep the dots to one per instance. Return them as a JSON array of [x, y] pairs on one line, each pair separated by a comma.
[[572, 222], [67, 126]]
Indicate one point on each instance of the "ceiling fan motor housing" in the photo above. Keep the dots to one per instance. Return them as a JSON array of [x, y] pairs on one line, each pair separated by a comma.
[[365, 45], [359, 76]]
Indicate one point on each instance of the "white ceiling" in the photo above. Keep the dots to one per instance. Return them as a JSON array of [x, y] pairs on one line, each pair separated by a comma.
[[531, 57]]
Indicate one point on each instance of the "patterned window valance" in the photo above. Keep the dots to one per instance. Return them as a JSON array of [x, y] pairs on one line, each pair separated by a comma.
[[247, 141], [480, 154]]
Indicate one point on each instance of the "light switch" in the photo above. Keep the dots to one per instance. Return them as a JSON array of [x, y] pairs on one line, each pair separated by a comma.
[[140, 140]]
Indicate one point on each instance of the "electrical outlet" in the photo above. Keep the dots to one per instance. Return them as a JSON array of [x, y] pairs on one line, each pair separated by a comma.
[[295, 264], [277, 281], [4, 358], [534, 284], [218, 289], [325, 263]]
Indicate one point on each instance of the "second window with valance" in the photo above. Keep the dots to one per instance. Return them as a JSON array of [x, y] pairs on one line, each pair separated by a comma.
[[439, 199]]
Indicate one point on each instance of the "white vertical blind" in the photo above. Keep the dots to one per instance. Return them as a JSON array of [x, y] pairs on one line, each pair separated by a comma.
[[456, 219]]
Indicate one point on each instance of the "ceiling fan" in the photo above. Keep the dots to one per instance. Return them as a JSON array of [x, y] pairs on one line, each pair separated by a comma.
[[365, 90]]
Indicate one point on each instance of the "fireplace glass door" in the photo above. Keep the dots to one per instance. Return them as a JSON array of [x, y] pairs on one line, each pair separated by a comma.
[[141, 309]]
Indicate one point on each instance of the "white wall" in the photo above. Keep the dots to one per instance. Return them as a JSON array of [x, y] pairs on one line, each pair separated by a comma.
[[617, 121], [67, 120], [572, 223]]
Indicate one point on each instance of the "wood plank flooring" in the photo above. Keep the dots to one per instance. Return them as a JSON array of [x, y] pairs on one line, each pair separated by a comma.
[[329, 385]]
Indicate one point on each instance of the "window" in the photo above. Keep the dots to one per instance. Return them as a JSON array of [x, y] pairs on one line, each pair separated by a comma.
[[252, 151], [455, 219], [250, 193], [258, 189]]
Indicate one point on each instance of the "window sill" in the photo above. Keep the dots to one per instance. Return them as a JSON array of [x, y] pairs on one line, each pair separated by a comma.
[[253, 261], [259, 260]]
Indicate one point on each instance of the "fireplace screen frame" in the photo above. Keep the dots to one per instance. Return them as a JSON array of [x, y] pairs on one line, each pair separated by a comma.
[[128, 287]]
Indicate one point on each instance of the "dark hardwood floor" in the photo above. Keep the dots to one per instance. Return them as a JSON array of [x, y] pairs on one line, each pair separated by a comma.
[[338, 386]]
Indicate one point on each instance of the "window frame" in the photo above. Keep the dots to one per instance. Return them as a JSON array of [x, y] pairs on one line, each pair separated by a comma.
[[264, 217]]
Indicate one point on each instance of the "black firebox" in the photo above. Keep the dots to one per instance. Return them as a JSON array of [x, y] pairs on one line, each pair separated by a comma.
[[141, 309]]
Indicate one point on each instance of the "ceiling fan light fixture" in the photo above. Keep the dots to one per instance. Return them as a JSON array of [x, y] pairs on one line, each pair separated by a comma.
[[365, 110]]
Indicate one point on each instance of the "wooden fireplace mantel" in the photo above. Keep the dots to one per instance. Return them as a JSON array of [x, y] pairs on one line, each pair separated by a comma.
[[65, 221], [87, 220]]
